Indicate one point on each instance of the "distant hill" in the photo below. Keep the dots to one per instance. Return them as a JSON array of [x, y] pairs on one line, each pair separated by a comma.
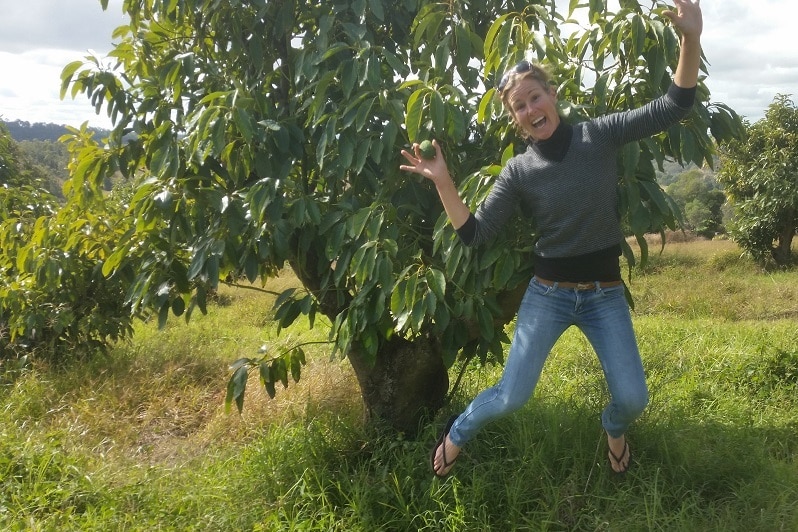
[[21, 130]]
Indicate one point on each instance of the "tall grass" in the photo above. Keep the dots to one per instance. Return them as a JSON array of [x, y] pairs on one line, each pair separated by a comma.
[[140, 440]]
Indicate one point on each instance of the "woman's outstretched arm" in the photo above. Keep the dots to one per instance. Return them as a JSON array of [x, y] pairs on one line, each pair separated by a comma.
[[688, 20]]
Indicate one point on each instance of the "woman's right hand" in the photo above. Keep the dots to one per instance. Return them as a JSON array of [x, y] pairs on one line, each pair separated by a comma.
[[434, 169]]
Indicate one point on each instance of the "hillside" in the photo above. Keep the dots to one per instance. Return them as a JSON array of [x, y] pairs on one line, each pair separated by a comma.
[[22, 130]]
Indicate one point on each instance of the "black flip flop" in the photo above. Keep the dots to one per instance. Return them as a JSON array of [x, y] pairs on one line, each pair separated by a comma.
[[619, 458], [438, 443]]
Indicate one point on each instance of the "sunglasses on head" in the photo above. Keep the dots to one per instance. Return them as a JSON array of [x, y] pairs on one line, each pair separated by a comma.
[[520, 68]]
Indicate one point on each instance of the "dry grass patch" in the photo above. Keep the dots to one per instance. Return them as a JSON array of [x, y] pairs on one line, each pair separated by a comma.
[[160, 399], [711, 279]]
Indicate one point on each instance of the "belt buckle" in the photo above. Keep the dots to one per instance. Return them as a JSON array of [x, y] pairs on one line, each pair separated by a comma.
[[585, 286]]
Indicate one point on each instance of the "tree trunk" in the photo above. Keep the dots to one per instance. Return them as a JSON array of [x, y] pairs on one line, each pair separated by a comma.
[[406, 384], [782, 253]]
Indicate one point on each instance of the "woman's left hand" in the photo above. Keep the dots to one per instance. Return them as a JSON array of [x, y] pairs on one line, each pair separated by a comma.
[[687, 18]]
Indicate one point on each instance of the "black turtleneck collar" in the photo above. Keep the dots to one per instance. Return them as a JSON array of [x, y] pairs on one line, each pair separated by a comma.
[[556, 146]]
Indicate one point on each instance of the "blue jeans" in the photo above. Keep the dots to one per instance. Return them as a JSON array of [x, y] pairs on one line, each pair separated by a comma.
[[546, 312]]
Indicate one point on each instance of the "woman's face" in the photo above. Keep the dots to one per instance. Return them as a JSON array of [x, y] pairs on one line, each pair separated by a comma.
[[533, 107]]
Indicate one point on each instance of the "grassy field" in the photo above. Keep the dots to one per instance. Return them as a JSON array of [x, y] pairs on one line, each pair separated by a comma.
[[140, 440]]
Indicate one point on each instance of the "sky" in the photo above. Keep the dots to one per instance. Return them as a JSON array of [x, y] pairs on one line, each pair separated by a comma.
[[750, 47]]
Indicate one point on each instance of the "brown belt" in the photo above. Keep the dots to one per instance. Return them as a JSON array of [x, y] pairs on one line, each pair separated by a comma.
[[587, 285]]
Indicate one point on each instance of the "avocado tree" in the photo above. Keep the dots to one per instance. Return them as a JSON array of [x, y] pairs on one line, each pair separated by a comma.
[[268, 134], [760, 174], [54, 300]]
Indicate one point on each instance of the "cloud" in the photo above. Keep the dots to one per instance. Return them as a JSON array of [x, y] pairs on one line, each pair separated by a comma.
[[40, 37], [57, 24], [749, 61]]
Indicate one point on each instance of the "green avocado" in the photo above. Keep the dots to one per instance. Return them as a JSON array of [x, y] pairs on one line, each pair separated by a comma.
[[427, 150]]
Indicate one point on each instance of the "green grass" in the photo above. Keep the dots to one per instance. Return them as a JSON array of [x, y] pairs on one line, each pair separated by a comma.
[[140, 440]]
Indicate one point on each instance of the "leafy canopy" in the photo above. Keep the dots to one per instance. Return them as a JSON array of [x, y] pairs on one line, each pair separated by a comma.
[[268, 133]]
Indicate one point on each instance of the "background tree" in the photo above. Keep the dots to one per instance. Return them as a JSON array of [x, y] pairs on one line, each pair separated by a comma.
[[760, 175], [51, 158], [268, 133], [701, 198], [54, 300], [16, 170]]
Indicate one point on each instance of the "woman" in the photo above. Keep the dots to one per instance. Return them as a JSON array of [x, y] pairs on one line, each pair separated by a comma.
[[567, 178]]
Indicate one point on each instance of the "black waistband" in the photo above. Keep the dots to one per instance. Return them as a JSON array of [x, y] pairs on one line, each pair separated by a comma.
[[602, 265]]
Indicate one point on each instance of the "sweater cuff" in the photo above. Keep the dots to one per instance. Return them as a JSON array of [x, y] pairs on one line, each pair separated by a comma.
[[468, 231], [684, 98]]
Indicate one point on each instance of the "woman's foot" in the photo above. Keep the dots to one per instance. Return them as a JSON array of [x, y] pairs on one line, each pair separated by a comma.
[[620, 455], [446, 454]]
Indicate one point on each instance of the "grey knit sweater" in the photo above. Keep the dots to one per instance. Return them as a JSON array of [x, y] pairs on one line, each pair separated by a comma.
[[574, 201]]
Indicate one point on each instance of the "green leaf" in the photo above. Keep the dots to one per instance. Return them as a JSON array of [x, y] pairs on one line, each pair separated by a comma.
[[163, 315], [329, 220], [672, 46], [629, 255], [492, 59], [266, 377], [284, 296], [631, 158], [280, 369], [415, 107], [656, 194], [453, 260], [438, 110], [66, 75], [490, 256], [384, 269], [349, 72], [365, 267], [297, 361], [287, 314], [114, 260], [251, 267], [638, 35], [370, 342], [436, 281], [485, 105], [640, 219], [236, 387], [596, 7], [389, 136], [201, 299], [417, 314], [504, 270], [688, 146], [643, 243], [363, 114], [244, 123], [198, 260], [485, 319], [342, 265], [397, 298], [346, 150], [358, 222]]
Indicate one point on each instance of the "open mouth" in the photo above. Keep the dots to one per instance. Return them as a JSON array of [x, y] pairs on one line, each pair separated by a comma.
[[540, 122]]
